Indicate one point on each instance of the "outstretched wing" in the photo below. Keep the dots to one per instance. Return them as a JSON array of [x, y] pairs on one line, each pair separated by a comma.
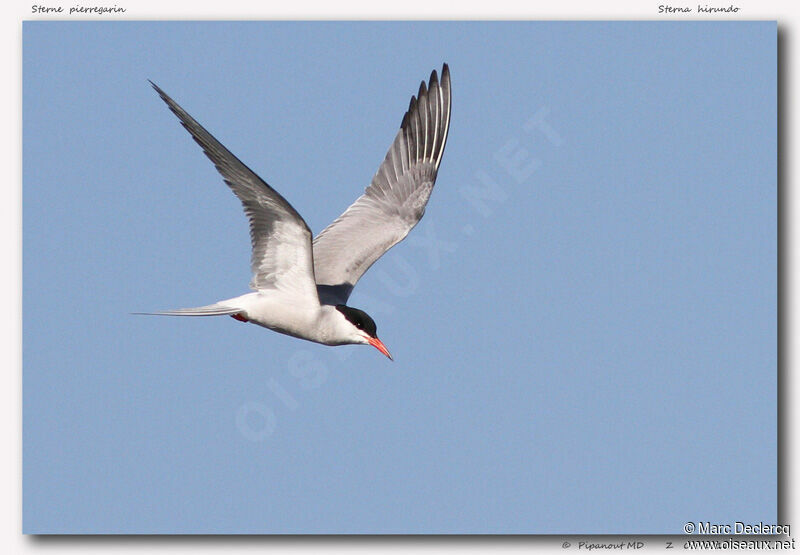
[[282, 255], [395, 200]]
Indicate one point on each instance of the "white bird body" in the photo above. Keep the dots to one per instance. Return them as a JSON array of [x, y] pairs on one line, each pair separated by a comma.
[[320, 324], [301, 286]]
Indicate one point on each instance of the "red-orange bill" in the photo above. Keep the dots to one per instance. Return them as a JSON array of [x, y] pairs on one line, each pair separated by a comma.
[[378, 344]]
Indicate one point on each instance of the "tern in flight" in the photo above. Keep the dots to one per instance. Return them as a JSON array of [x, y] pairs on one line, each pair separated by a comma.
[[301, 286]]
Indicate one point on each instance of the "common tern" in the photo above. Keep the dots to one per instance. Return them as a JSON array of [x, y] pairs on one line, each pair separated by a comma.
[[301, 286]]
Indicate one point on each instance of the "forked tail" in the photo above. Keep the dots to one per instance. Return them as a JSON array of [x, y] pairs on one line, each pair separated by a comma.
[[210, 310]]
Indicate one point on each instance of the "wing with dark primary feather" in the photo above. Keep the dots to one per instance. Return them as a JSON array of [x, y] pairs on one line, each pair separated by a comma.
[[395, 200]]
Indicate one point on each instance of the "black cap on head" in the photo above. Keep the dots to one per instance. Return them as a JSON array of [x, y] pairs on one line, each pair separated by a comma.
[[359, 319]]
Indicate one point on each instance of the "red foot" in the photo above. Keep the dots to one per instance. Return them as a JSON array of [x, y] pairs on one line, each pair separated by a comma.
[[239, 317]]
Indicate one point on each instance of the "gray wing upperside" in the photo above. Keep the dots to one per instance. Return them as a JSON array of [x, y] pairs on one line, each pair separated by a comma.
[[281, 240]]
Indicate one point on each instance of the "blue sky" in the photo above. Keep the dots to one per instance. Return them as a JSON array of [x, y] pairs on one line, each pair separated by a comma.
[[583, 324]]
